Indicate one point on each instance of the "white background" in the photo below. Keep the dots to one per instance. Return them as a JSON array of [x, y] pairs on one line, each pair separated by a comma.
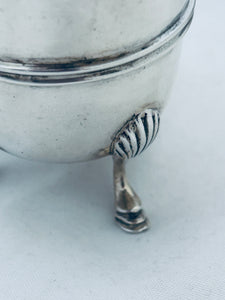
[[58, 239]]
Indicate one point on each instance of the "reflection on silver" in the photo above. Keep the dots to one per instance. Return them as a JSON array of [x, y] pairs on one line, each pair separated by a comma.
[[137, 134], [129, 213], [64, 71], [72, 73]]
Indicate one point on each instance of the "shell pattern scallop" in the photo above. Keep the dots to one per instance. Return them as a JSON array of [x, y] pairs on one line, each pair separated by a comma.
[[136, 135]]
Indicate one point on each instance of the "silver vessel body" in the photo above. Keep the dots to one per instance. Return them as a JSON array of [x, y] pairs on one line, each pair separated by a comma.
[[73, 72]]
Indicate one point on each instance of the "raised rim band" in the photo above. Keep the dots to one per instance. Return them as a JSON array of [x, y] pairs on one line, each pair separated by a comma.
[[66, 71]]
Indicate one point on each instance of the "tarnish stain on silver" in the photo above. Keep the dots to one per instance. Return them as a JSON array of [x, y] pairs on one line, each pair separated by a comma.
[[134, 137]]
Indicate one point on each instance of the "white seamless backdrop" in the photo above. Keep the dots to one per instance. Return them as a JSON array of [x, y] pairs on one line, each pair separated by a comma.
[[58, 240]]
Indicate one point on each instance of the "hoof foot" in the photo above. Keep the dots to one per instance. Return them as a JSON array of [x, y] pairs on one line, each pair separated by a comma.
[[133, 222]]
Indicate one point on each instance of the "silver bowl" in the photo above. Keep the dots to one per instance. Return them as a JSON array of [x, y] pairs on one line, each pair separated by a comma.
[[80, 80]]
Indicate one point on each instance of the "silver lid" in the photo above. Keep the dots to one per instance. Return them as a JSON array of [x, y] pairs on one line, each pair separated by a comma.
[[61, 59]]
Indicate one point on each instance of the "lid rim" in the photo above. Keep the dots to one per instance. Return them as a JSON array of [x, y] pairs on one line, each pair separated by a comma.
[[72, 70]]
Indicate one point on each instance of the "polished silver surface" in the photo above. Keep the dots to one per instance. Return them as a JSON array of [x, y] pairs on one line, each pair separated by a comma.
[[73, 72], [134, 137], [43, 117], [31, 29], [129, 212], [43, 71]]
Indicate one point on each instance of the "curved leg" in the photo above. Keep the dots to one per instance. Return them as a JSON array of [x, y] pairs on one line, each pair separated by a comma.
[[129, 213], [135, 136]]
